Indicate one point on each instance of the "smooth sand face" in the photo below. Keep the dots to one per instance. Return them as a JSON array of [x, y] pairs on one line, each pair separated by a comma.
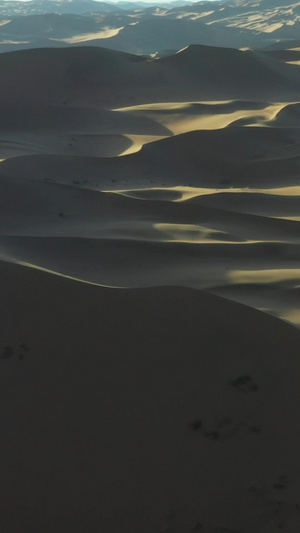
[[85, 37], [184, 117], [144, 410]]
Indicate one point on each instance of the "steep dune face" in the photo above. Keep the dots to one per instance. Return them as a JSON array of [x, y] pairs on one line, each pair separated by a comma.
[[53, 129], [65, 76], [144, 410], [93, 77]]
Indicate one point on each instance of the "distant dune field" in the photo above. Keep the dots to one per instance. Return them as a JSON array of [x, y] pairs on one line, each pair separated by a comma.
[[142, 28], [149, 409]]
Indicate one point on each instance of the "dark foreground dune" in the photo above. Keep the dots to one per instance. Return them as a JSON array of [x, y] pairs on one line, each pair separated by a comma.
[[144, 410]]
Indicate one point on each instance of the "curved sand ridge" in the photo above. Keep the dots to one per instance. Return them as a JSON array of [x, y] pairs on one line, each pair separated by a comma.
[[233, 222], [96, 77], [52, 129], [97, 102], [256, 158], [63, 130]]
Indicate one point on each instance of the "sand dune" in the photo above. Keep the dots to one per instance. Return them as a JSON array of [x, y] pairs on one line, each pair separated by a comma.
[[84, 131], [176, 432], [239, 218], [60, 101], [103, 133], [72, 131], [94, 77], [244, 158], [182, 117], [142, 28], [140, 31]]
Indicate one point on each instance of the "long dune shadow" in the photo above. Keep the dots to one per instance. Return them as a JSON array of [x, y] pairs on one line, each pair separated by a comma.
[[101, 145]]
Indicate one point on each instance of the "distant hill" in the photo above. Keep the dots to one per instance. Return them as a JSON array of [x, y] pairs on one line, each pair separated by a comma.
[[30, 7], [12, 8], [147, 29]]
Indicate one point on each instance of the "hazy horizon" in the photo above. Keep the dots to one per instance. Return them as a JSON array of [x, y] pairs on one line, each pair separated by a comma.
[[118, 1]]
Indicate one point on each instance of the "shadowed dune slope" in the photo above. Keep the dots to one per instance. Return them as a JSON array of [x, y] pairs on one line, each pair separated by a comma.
[[144, 410], [147, 29], [247, 157], [36, 129], [95, 77], [139, 32]]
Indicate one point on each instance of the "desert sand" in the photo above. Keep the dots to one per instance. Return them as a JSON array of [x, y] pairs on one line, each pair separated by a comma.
[[162, 409], [150, 275]]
